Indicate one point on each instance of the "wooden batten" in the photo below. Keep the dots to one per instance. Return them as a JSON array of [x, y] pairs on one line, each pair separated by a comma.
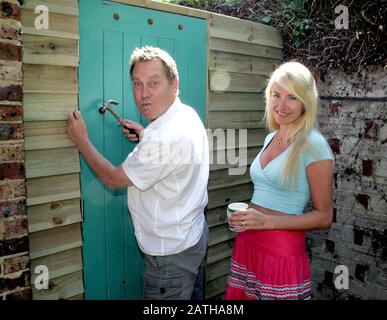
[[54, 162], [53, 214], [49, 79], [55, 188], [60, 25], [249, 49], [232, 62], [46, 242], [64, 287], [49, 106], [59, 264], [244, 31], [66, 7], [41, 135], [50, 50]]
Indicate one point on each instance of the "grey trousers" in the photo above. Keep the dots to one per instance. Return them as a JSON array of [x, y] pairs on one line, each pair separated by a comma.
[[177, 276]]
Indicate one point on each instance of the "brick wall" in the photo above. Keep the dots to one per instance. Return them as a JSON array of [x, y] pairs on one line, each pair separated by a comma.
[[353, 113], [14, 258]]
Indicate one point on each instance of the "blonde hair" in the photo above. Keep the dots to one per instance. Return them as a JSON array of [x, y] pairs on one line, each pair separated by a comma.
[[149, 53], [295, 78]]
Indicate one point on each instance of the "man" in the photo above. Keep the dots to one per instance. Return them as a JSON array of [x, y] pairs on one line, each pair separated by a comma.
[[166, 176]]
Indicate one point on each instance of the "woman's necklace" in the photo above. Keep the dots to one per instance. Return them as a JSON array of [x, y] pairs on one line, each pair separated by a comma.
[[282, 142]]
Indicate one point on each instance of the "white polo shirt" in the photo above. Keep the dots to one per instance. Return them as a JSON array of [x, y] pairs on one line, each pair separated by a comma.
[[169, 168]]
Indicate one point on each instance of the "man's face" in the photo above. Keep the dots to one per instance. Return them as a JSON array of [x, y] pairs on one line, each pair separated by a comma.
[[152, 91]]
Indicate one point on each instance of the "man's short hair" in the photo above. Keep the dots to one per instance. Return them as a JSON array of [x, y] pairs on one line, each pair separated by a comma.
[[149, 53]]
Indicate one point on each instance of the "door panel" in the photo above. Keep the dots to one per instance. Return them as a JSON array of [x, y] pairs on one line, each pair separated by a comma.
[[112, 260]]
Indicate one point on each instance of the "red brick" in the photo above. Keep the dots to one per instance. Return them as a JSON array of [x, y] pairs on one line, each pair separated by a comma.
[[12, 152], [334, 110], [13, 208], [22, 294], [11, 93], [16, 264], [11, 113], [12, 190], [8, 284], [11, 131], [15, 227], [9, 51], [370, 129], [11, 71], [367, 167], [10, 10], [335, 145], [12, 171], [10, 31], [13, 246]]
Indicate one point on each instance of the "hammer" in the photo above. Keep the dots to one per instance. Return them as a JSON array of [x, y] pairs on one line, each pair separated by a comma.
[[108, 106]]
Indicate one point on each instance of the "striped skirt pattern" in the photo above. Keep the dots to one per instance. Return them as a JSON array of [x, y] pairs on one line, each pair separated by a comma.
[[269, 265]]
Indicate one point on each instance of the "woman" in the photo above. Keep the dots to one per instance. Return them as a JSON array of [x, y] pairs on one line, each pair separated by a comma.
[[295, 165]]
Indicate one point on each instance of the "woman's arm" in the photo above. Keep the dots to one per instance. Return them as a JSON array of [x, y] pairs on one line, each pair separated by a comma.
[[320, 176]]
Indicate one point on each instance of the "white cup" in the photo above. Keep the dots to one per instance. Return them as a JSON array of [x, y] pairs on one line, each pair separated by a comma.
[[233, 207]]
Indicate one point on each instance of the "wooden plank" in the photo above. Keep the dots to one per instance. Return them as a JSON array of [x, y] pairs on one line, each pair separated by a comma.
[[61, 288], [46, 242], [223, 196], [49, 79], [51, 215], [220, 234], [51, 162], [235, 120], [60, 25], [218, 164], [221, 81], [216, 287], [59, 264], [236, 101], [218, 269], [219, 251], [50, 189], [216, 216], [46, 135], [241, 63], [249, 49], [225, 27], [167, 7], [222, 178], [50, 50], [49, 106], [77, 297], [68, 7], [226, 139]]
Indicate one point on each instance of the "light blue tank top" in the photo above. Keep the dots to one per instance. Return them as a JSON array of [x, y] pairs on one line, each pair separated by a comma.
[[286, 198]]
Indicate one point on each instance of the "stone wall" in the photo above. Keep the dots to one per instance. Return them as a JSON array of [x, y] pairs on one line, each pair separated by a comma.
[[353, 113], [14, 256]]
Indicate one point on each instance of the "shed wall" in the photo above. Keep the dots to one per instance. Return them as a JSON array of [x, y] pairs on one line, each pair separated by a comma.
[[241, 52]]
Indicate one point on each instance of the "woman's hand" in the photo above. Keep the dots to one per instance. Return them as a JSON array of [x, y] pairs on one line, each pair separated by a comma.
[[138, 128], [249, 219]]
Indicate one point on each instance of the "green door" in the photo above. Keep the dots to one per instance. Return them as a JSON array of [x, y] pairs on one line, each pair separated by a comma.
[[108, 34]]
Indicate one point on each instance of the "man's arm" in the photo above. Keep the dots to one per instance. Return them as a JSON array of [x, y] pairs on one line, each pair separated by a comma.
[[114, 177]]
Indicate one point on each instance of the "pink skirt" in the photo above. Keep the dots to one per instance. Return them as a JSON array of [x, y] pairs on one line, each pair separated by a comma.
[[269, 265]]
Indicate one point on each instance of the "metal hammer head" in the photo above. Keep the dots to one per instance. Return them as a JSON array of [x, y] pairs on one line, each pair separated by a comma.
[[107, 105]]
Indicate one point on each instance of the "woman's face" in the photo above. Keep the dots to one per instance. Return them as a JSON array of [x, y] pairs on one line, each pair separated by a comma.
[[286, 107]]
